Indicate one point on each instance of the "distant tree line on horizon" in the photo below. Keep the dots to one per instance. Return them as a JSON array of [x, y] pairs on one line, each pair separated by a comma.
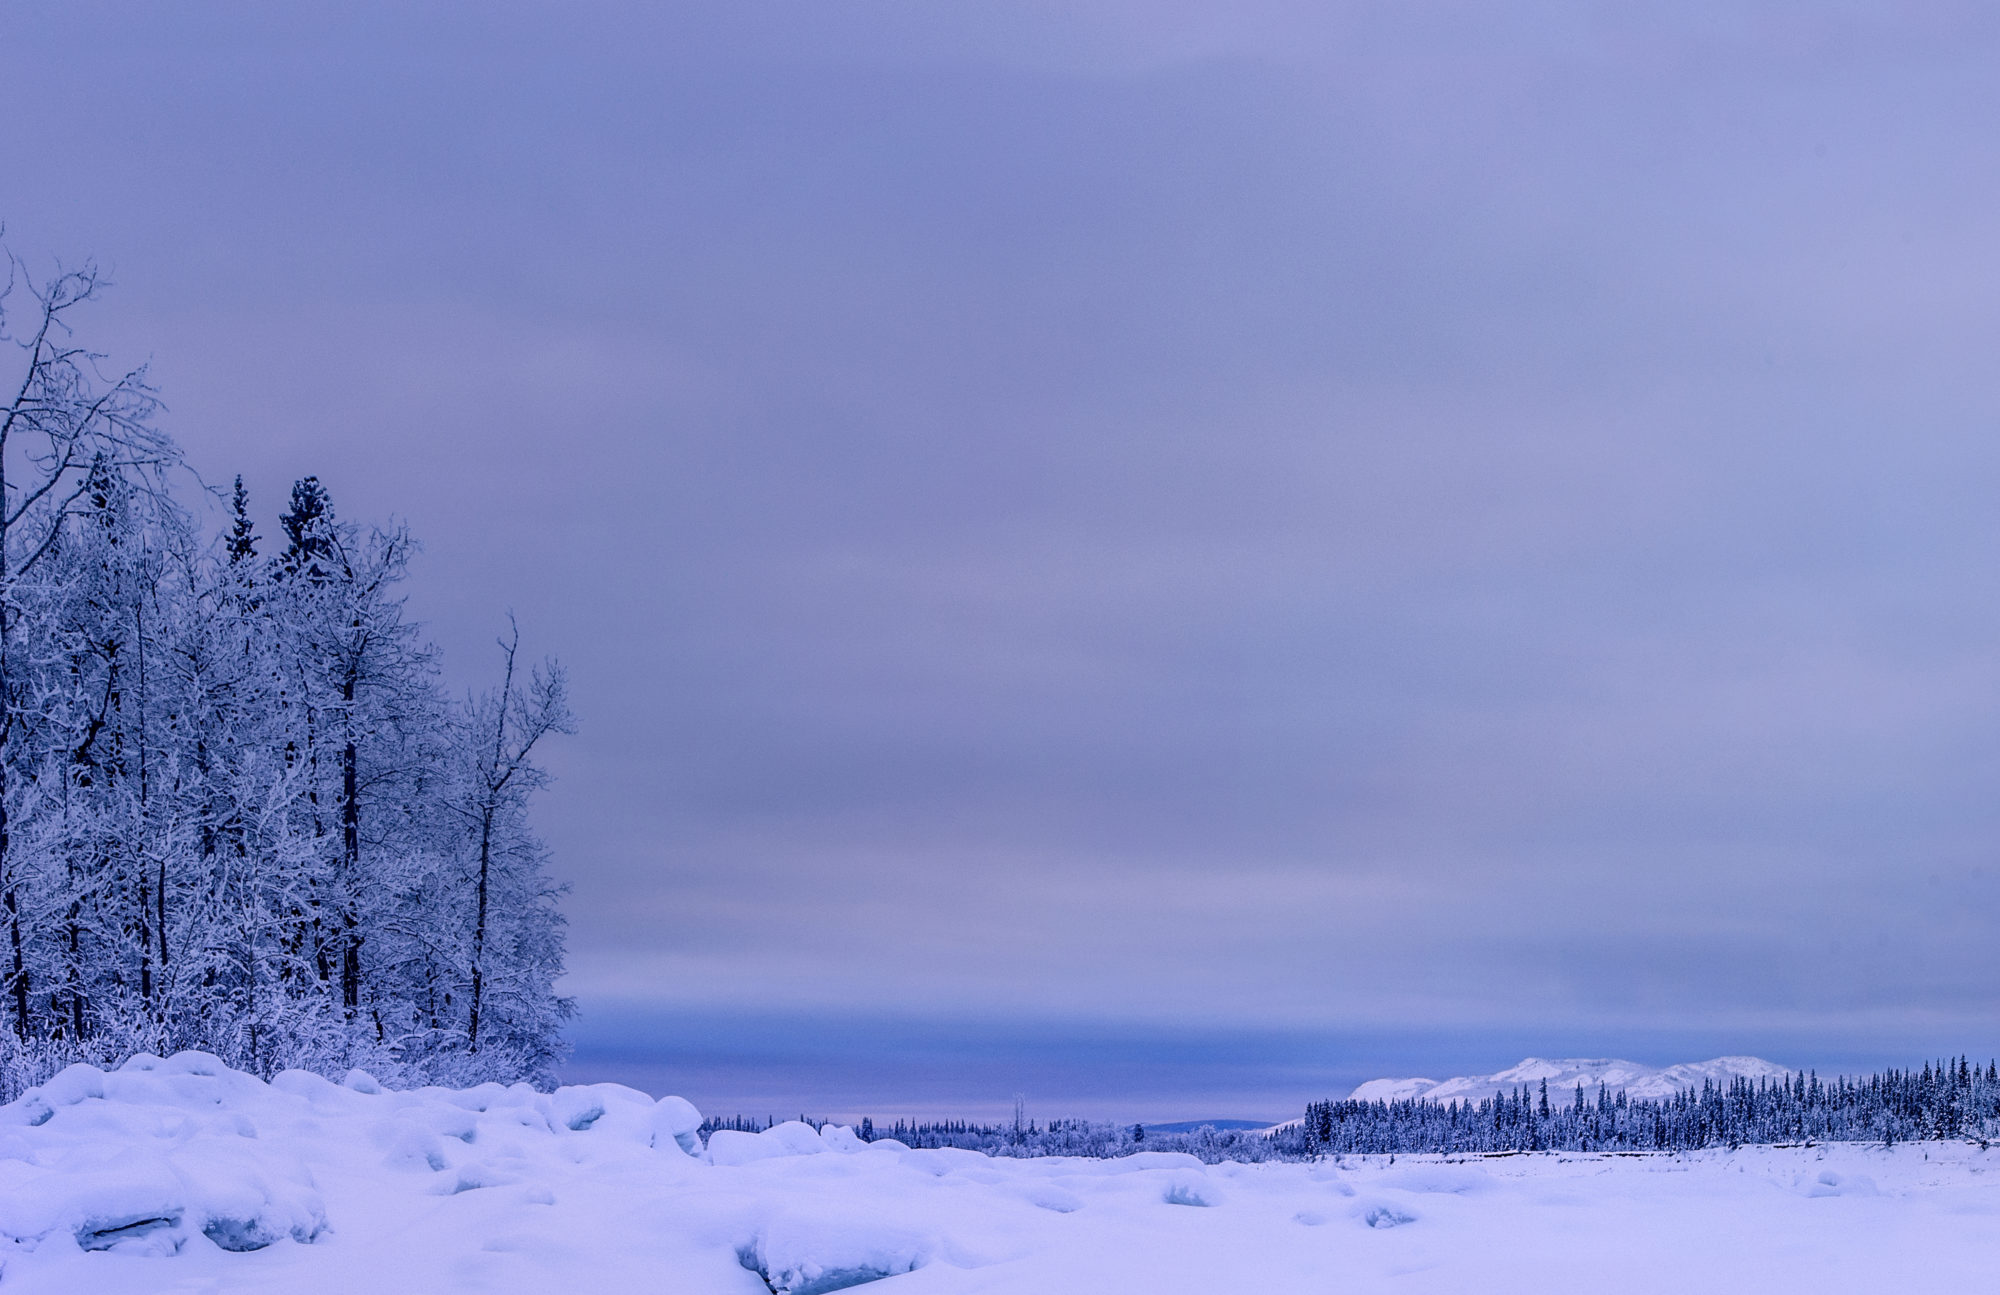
[[1946, 1100], [1949, 1099], [1059, 1137], [238, 810]]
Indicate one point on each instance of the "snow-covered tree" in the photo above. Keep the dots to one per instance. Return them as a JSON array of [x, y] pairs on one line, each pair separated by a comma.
[[238, 810]]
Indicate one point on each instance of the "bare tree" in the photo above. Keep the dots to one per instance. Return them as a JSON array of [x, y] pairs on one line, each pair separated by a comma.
[[518, 717], [64, 422]]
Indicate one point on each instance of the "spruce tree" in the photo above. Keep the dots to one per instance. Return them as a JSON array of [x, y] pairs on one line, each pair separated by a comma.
[[242, 533], [308, 526]]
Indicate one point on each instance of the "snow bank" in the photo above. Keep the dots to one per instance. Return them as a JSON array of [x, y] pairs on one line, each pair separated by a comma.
[[143, 1160], [181, 1175]]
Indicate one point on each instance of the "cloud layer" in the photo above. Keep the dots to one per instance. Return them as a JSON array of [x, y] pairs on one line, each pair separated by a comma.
[[1358, 519]]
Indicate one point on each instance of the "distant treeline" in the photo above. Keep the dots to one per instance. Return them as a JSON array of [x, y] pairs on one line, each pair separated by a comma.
[[1952, 1099], [1056, 1138], [1948, 1099]]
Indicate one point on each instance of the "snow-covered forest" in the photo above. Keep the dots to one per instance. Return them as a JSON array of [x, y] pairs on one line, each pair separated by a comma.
[[239, 811], [1951, 1099], [1945, 1100]]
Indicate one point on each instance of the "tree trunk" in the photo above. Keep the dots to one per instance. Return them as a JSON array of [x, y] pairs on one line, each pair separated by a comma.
[[350, 844], [147, 978], [18, 973], [479, 928]]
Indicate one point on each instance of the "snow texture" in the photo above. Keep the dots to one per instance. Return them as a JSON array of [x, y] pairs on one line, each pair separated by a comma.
[[182, 1175]]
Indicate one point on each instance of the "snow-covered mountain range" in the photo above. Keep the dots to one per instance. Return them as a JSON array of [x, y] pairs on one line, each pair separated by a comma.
[[1564, 1074]]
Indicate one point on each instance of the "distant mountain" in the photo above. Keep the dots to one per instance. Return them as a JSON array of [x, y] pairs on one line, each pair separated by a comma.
[[1220, 1126], [1565, 1074]]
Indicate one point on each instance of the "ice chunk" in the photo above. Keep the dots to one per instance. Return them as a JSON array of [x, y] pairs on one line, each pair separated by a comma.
[[143, 1180], [113, 1199], [809, 1254], [1190, 1191], [151, 1235], [247, 1197], [1386, 1216]]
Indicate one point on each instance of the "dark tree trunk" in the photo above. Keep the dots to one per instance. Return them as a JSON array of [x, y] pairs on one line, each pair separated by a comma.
[[350, 845], [479, 929]]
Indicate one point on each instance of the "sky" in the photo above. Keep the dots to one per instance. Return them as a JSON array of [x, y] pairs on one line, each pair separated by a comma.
[[1346, 539]]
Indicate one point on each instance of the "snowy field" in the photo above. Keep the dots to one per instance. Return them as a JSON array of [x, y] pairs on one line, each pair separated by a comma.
[[183, 1176]]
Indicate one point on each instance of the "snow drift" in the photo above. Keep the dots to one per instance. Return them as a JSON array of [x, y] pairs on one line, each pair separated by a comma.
[[183, 1175]]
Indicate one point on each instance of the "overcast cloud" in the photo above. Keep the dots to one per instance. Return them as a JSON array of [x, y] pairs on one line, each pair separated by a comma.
[[1339, 518]]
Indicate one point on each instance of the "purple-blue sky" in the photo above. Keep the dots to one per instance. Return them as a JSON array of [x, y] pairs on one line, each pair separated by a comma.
[[1305, 517]]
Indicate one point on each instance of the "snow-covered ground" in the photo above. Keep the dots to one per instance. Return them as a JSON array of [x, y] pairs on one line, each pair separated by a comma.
[[183, 1176], [1563, 1076]]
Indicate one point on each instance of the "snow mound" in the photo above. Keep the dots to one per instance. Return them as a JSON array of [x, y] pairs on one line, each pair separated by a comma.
[[1563, 1075], [1829, 1183], [143, 1159], [164, 1156], [792, 1138], [181, 1175]]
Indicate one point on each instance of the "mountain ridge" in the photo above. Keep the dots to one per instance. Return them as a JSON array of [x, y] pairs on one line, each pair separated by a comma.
[[1564, 1074]]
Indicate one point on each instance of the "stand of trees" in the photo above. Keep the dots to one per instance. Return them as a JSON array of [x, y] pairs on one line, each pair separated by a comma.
[[1946, 1100], [1062, 1137], [238, 811]]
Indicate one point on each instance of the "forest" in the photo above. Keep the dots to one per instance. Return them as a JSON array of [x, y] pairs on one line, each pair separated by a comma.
[[1946, 1099], [240, 811], [1949, 1099]]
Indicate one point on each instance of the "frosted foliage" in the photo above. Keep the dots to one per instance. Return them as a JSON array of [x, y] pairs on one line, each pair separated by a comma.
[[238, 811]]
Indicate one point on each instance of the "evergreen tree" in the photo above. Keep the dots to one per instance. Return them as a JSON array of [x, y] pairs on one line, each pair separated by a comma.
[[308, 526], [242, 533]]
